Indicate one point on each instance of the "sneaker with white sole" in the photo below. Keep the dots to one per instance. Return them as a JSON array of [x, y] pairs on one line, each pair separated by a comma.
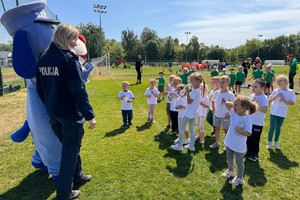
[[190, 148], [176, 147], [176, 141], [276, 145], [236, 181], [269, 145], [187, 141], [228, 174], [214, 145]]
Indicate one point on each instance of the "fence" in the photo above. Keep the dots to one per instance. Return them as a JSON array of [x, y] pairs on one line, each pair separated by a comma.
[[10, 81]]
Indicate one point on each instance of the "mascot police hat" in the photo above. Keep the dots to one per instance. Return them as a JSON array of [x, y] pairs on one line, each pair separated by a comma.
[[24, 15]]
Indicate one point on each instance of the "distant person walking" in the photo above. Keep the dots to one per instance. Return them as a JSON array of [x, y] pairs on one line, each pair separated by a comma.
[[138, 64], [246, 65], [292, 72]]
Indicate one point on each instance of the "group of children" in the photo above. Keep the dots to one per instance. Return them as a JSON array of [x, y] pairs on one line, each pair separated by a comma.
[[242, 118]]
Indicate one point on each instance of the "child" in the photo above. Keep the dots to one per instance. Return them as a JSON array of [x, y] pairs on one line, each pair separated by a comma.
[[161, 85], [184, 75], [232, 80], [240, 79], [219, 109], [257, 73], [190, 113], [258, 118], [223, 72], [180, 106], [126, 97], [151, 93], [210, 116], [204, 104], [214, 72], [268, 77], [173, 111], [235, 141], [280, 99], [168, 100]]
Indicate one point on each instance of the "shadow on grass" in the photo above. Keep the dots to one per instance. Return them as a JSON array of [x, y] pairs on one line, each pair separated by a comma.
[[165, 140], [216, 157], [230, 192], [35, 186], [115, 132], [145, 126], [256, 174], [278, 158], [184, 165]]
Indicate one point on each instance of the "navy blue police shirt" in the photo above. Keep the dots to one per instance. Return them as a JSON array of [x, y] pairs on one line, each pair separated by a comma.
[[60, 86]]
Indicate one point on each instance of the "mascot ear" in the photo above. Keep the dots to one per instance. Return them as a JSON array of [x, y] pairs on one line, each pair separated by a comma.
[[24, 62]]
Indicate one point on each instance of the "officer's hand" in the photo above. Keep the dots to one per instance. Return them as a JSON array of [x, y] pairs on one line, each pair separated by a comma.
[[92, 123]]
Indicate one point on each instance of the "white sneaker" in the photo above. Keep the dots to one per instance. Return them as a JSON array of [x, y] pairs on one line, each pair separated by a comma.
[[176, 141], [176, 147], [187, 141], [189, 147], [228, 174], [269, 145], [214, 145], [276, 145], [236, 181]]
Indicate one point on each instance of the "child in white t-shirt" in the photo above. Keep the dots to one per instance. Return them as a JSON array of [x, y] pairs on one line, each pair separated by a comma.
[[180, 106], [280, 99], [126, 97], [190, 114], [173, 111], [258, 118], [151, 94], [221, 113], [168, 100], [235, 140], [210, 115], [204, 104]]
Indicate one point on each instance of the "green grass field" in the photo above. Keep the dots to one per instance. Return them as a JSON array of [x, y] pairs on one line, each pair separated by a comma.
[[137, 163]]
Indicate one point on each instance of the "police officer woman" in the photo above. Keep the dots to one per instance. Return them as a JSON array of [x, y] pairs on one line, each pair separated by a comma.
[[62, 90]]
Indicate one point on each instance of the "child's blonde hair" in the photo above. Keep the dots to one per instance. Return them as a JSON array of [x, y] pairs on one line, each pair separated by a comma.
[[240, 67], [172, 76], [178, 79], [247, 104], [199, 77], [152, 81], [126, 82], [283, 77], [225, 77]]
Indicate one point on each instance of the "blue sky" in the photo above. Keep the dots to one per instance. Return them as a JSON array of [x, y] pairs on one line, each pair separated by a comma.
[[227, 23]]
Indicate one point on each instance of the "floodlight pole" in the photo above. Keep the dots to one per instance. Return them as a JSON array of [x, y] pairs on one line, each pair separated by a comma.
[[100, 9], [259, 36], [187, 42]]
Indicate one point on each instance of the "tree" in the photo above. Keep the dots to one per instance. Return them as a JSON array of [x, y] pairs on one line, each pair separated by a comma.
[[115, 50], [147, 35], [6, 47], [215, 52], [95, 39], [152, 50], [129, 42]]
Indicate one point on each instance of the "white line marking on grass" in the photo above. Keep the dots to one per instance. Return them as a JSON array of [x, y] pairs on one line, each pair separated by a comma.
[[140, 105]]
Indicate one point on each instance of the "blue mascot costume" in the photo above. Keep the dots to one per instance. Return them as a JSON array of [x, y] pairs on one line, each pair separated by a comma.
[[32, 33]]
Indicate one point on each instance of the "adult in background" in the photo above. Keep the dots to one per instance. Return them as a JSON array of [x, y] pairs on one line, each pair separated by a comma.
[[292, 71], [62, 90], [138, 65], [246, 65], [256, 62]]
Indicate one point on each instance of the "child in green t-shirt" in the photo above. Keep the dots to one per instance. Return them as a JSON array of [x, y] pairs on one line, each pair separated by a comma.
[[184, 75], [232, 80], [268, 76], [214, 72], [258, 73], [240, 78], [161, 85]]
